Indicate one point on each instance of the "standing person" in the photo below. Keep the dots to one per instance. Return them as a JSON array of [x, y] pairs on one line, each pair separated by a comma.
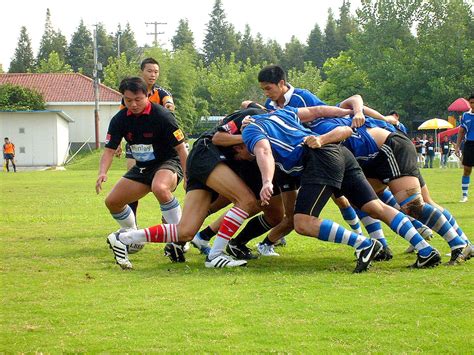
[[423, 142], [430, 152], [466, 131], [157, 145], [398, 125], [445, 150], [150, 72], [418, 148], [9, 154]]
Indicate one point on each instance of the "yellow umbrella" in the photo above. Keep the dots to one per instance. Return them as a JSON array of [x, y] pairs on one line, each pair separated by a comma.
[[435, 123]]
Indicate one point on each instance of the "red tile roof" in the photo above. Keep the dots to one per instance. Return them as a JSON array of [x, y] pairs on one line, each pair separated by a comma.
[[62, 87]]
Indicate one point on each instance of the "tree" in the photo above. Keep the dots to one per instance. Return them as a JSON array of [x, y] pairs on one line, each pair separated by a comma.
[[273, 52], [23, 60], [54, 64], [246, 47], [294, 55], [19, 98], [345, 27], [118, 69], [309, 78], [51, 41], [344, 79], [128, 44], [105, 44], [314, 50], [183, 37], [220, 36], [80, 51], [330, 37]]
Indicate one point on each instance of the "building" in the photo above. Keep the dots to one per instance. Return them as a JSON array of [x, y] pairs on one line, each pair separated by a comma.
[[69, 100]]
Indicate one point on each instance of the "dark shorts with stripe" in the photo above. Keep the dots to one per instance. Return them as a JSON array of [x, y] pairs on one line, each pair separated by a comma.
[[145, 175], [396, 158], [468, 153], [313, 195]]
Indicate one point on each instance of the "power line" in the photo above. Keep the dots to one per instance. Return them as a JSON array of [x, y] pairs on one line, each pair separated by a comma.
[[155, 33]]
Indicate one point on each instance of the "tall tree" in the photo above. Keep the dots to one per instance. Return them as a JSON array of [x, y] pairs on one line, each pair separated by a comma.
[[23, 60], [118, 69], [294, 55], [128, 44], [80, 51], [105, 44], [273, 52], [220, 36], [54, 64], [314, 50], [246, 47], [330, 37], [309, 78], [183, 37], [51, 41], [346, 25]]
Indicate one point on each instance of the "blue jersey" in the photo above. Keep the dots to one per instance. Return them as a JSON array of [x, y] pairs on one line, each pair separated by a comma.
[[467, 122], [360, 143], [372, 123], [295, 97], [284, 131]]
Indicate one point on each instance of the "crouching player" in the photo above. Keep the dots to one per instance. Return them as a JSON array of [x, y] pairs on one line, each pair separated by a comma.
[[157, 144]]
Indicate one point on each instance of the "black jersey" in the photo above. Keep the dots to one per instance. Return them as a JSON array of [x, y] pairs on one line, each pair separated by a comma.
[[152, 135]]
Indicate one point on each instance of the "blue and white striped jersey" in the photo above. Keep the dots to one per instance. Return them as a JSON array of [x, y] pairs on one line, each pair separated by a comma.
[[283, 129], [360, 143]]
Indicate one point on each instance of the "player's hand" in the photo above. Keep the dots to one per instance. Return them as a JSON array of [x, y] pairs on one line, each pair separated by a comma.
[[358, 119], [118, 151], [169, 106], [246, 121], [392, 120], [313, 141], [98, 185], [457, 152], [266, 193]]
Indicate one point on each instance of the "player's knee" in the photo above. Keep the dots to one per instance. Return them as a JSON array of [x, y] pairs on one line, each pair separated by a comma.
[[304, 224], [413, 204], [112, 204], [162, 192], [186, 232], [248, 203], [374, 209], [342, 202]]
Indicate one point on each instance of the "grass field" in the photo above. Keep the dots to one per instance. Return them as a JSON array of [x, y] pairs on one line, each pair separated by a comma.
[[62, 292]]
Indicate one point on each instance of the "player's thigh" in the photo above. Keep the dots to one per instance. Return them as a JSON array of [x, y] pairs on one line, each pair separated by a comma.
[[228, 184], [404, 187], [126, 191], [196, 206]]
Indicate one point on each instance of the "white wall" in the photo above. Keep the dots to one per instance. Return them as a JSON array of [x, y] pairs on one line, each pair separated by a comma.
[[40, 138], [83, 126]]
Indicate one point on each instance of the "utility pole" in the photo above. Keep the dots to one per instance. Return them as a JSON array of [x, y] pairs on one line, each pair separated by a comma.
[[155, 33], [119, 35], [96, 90]]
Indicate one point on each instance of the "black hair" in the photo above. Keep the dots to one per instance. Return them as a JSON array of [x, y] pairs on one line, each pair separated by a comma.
[[471, 97], [134, 84], [148, 61], [393, 112], [5, 138], [271, 74]]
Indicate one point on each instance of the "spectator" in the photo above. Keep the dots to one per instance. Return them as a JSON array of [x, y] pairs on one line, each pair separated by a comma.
[[430, 152]]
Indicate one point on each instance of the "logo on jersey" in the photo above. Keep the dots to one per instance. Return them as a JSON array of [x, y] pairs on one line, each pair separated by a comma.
[[231, 127], [142, 152], [108, 137], [178, 134]]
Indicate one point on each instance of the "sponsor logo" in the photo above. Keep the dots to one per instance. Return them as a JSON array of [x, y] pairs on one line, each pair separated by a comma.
[[178, 134], [108, 137]]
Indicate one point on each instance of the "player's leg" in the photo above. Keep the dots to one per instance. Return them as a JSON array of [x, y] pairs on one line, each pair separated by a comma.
[[124, 192], [348, 213], [465, 181], [407, 191]]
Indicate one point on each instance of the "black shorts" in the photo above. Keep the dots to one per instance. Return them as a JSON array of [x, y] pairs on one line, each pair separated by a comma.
[[145, 175], [8, 156], [326, 165], [468, 153], [202, 160], [396, 158], [356, 189], [285, 182], [128, 152]]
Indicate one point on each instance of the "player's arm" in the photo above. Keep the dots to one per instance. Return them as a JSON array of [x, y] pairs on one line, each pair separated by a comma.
[[225, 139], [183, 155], [461, 134], [266, 164], [104, 167], [336, 135], [308, 114]]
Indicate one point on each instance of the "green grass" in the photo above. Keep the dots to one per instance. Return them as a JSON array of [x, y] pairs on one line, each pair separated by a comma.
[[61, 291]]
